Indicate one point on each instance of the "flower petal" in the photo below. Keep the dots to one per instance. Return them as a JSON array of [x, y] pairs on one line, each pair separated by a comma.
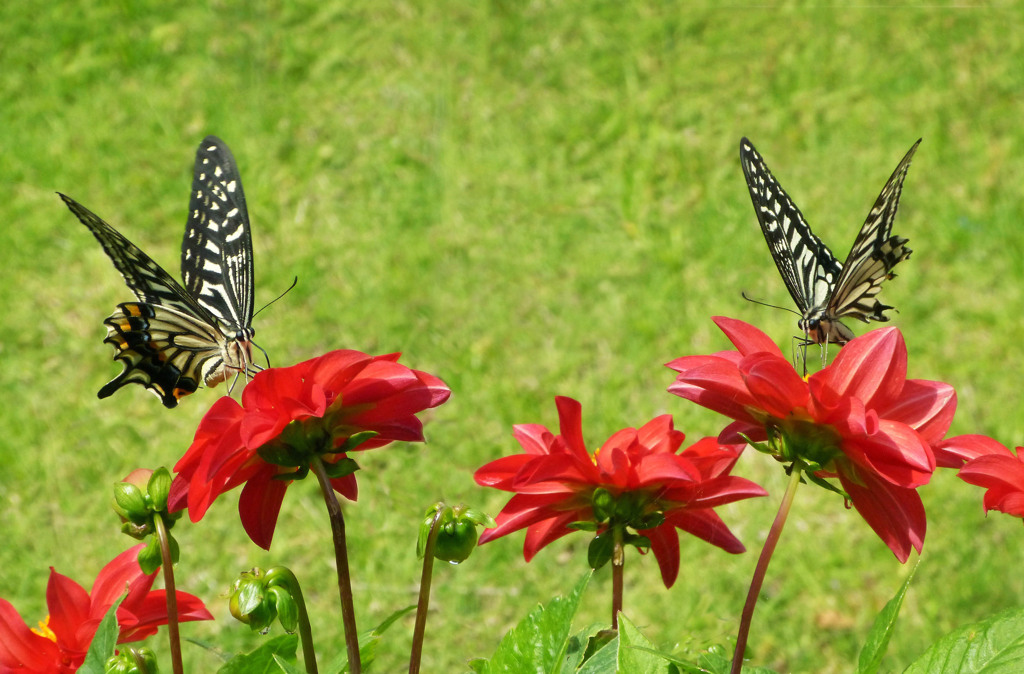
[[260, 504], [746, 338], [894, 513], [953, 452]]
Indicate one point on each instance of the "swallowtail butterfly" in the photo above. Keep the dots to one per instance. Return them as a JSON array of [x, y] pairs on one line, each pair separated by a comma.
[[825, 290], [176, 338]]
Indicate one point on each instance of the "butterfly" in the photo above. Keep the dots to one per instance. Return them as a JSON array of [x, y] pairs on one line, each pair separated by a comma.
[[176, 338], [824, 290]]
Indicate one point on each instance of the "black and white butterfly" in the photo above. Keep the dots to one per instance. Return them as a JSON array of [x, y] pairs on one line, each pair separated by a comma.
[[824, 290], [176, 338]]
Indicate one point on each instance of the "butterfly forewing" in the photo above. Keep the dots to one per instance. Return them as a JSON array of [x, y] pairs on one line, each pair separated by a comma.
[[175, 339], [216, 252], [806, 264]]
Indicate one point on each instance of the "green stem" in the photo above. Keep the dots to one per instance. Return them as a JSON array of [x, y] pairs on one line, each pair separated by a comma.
[[348, 611], [762, 568], [305, 630], [424, 601], [172, 596], [618, 567]]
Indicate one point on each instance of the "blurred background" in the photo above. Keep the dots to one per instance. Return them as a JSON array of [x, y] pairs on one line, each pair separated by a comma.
[[527, 199]]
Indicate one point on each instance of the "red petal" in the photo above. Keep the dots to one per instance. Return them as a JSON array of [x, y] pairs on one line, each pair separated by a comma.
[[746, 338], [570, 424], [894, 513], [925, 406], [19, 645], [534, 438], [120, 573], [521, 511], [706, 525], [260, 504], [548, 530], [717, 385], [953, 452], [895, 453], [872, 368], [500, 472], [774, 384], [658, 435], [69, 605], [665, 546]]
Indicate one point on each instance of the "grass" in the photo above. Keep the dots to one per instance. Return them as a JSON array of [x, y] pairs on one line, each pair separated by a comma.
[[528, 199]]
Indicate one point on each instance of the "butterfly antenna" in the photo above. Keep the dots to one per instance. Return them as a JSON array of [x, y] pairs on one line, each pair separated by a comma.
[[266, 356], [295, 282], [765, 304]]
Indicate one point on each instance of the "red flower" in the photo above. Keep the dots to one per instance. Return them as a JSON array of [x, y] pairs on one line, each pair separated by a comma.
[[60, 643], [287, 415], [1002, 473], [556, 482], [859, 419]]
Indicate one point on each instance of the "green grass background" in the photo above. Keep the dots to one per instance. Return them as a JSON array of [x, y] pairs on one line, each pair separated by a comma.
[[527, 199]]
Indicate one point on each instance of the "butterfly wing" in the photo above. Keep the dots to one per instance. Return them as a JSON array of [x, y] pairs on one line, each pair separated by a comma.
[[874, 254], [216, 253], [807, 266], [148, 280], [167, 341]]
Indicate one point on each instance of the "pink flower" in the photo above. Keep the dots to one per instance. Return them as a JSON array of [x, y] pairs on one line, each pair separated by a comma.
[[638, 474], [60, 643], [319, 407], [859, 419]]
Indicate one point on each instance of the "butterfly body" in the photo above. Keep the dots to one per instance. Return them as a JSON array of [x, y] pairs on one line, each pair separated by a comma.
[[825, 290], [176, 339]]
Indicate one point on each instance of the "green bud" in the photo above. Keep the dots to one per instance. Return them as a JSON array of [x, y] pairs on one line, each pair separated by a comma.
[[603, 504], [600, 550], [130, 502], [159, 488], [150, 558], [455, 541], [287, 610]]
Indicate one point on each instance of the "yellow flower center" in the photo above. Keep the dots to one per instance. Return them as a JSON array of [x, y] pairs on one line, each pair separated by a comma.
[[44, 630]]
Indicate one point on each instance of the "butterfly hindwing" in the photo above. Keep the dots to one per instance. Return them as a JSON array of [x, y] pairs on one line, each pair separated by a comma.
[[173, 340], [825, 290], [216, 252]]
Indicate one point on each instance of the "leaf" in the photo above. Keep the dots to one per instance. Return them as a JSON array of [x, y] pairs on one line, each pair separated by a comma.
[[604, 661], [103, 642], [576, 648], [992, 646], [540, 641], [264, 660], [877, 642], [635, 654]]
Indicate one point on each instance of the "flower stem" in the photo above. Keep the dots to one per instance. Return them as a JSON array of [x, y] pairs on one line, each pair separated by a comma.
[[305, 630], [762, 568], [424, 600], [618, 566], [173, 635], [348, 611]]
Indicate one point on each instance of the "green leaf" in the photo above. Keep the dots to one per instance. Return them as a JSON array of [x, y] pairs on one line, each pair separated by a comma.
[[264, 660], [103, 642], [881, 631], [576, 648], [604, 661], [993, 646], [540, 641], [635, 651]]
